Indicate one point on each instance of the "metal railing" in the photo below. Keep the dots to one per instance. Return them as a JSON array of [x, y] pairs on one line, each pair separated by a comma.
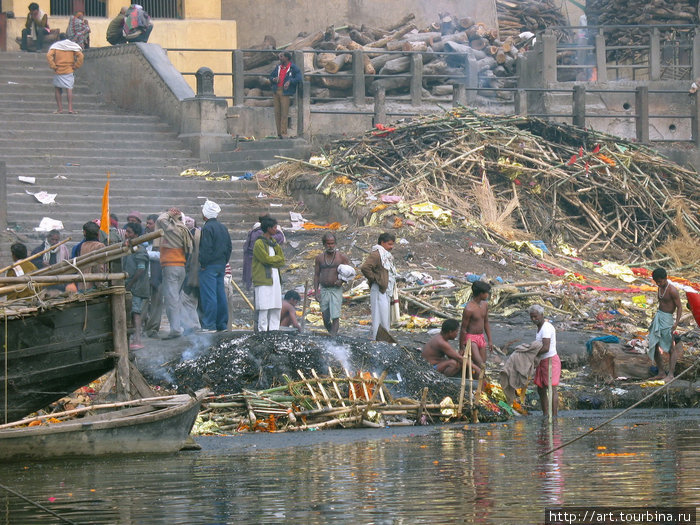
[[98, 8]]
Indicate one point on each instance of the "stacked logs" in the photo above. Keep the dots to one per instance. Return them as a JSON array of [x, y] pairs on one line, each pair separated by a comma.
[[515, 17], [444, 45]]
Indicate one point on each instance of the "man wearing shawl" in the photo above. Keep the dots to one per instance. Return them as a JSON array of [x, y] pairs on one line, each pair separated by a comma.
[[214, 253], [78, 30], [267, 260], [64, 57], [54, 256], [175, 248], [137, 24], [380, 272], [36, 27]]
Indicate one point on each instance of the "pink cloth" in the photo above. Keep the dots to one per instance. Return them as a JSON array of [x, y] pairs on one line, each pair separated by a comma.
[[542, 372], [479, 339]]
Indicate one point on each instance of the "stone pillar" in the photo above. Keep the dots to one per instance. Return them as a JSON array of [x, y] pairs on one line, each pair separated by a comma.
[[696, 56], [520, 102], [203, 118], [641, 98], [601, 61], [549, 57], [579, 106], [304, 110], [694, 123], [416, 80], [655, 54], [238, 69], [459, 95], [472, 79], [358, 77], [379, 105]]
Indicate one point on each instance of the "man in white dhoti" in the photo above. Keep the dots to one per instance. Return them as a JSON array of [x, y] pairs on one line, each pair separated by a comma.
[[380, 272], [267, 259]]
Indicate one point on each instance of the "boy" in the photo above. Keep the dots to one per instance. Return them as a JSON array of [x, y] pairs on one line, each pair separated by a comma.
[[288, 317], [440, 354], [475, 322]]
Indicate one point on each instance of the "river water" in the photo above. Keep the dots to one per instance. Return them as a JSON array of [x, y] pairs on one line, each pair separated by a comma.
[[485, 473]]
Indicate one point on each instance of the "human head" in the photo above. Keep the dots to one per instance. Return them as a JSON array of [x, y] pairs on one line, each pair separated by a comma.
[[210, 210], [387, 240], [33, 6], [536, 312], [151, 222], [479, 288], [19, 251], [79, 14], [113, 220], [659, 276], [134, 216], [292, 297], [62, 36], [449, 328], [123, 10], [285, 57], [91, 231], [53, 237], [175, 214], [189, 222], [132, 230], [268, 225], [329, 241]]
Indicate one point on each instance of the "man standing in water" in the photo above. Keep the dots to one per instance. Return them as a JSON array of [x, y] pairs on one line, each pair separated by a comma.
[[662, 327], [327, 283], [547, 357]]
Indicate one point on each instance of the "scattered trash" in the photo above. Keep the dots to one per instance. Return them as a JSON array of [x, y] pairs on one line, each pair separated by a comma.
[[47, 224], [44, 197], [28, 180]]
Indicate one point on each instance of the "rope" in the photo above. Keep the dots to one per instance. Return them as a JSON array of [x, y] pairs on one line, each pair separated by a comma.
[[624, 411], [8, 489], [74, 265]]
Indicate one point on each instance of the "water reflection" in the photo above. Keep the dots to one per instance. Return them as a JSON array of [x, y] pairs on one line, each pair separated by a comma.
[[487, 474]]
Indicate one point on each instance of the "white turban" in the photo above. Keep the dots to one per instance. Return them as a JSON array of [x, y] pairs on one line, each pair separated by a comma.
[[211, 209]]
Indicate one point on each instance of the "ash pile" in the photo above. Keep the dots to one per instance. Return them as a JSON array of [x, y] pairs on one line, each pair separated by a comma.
[[238, 362]]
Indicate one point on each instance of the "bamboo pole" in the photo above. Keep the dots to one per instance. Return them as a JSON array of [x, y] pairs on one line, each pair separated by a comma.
[[306, 304], [323, 390], [463, 383], [245, 298], [311, 389], [121, 344], [550, 401]]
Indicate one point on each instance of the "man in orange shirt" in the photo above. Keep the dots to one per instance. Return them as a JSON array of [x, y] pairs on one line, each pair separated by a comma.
[[175, 248], [64, 58]]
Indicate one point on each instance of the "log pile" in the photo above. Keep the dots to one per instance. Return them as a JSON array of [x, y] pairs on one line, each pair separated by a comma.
[[640, 13], [314, 402], [330, 68], [515, 17], [594, 191]]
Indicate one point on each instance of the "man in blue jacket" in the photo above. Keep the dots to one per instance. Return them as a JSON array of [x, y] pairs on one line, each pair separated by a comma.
[[214, 253], [284, 79]]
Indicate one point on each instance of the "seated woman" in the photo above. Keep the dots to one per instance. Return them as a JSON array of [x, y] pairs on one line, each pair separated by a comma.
[[78, 30]]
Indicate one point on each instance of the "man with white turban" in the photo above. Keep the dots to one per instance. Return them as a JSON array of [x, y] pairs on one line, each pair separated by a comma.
[[214, 253]]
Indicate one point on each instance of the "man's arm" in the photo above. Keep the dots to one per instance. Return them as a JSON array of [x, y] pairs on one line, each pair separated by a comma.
[[679, 307], [449, 351], [466, 319], [317, 276], [487, 327], [51, 57], [545, 346], [293, 318], [79, 58]]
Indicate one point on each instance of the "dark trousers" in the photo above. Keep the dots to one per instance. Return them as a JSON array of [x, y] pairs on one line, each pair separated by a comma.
[[155, 310], [212, 297], [40, 35]]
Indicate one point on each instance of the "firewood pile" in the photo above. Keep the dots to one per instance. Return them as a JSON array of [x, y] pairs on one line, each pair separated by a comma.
[[515, 17], [444, 46], [553, 181], [617, 12], [334, 400]]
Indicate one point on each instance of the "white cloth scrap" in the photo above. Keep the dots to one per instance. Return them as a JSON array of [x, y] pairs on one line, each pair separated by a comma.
[[47, 224]]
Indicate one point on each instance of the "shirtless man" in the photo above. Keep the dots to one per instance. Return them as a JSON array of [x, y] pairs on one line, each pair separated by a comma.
[[288, 316], [475, 322], [662, 327], [440, 354], [327, 283]]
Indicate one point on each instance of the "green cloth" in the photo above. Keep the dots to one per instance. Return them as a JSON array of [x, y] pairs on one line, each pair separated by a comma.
[[332, 300], [263, 262], [660, 333]]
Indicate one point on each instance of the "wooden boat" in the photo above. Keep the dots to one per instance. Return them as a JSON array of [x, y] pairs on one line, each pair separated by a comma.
[[152, 425], [51, 351]]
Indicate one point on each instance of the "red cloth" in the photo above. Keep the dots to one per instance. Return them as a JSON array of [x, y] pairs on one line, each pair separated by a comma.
[[542, 371], [283, 73], [479, 339]]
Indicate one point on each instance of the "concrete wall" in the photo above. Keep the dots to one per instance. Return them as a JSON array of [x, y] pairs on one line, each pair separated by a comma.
[[285, 19], [207, 34]]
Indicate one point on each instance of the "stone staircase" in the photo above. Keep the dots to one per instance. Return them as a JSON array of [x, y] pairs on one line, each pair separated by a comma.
[[71, 155]]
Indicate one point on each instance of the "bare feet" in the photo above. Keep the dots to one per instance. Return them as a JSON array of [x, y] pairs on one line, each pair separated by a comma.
[[668, 378], [658, 377], [58, 111], [72, 112]]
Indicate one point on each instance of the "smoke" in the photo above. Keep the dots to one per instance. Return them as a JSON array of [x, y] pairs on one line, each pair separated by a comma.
[[341, 352]]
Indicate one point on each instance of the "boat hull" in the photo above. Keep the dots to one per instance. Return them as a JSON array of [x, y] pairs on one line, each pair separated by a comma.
[[163, 429]]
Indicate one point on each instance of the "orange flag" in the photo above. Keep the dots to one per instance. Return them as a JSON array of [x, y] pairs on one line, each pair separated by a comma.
[[104, 219]]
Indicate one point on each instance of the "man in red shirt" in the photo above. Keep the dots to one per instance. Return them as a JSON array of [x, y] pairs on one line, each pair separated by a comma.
[[284, 79]]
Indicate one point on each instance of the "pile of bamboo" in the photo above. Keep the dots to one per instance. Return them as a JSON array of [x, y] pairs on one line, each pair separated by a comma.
[[555, 182], [329, 68], [318, 402]]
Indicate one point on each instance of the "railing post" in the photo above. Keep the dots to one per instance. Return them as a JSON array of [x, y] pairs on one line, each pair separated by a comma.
[[416, 71], [641, 102], [304, 110], [358, 77], [694, 122], [696, 55], [601, 62], [549, 57], [472, 79], [459, 95], [579, 106], [238, 69], [655, 54], [379, 105], [3, 197], [520, 102]]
